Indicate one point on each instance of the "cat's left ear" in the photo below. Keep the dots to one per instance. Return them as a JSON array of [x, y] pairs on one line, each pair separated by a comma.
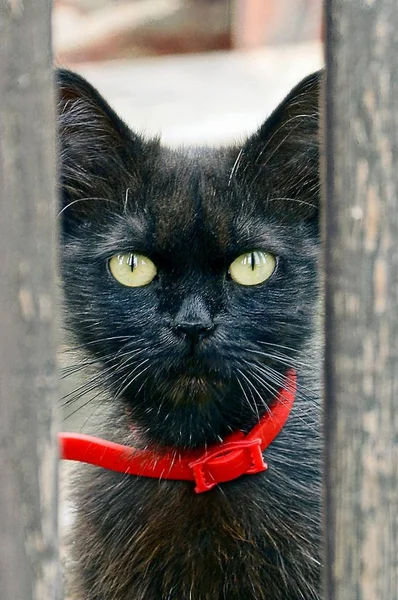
[[282, 158]]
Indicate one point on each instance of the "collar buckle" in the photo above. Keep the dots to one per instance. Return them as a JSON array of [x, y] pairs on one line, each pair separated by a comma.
[[228, 462]]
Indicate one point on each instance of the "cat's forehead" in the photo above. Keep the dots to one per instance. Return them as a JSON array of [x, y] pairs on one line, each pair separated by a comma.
[[189, 198], [191, 205]]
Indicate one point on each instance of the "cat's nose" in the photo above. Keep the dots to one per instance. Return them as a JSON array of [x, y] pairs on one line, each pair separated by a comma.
[[193, 319], [194, 330]]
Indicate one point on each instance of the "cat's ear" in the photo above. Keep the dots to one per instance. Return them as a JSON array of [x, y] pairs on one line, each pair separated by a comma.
[[95, 145], [282, 158], [82, 108]]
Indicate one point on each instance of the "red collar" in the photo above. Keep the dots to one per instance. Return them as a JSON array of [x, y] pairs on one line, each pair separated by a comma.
[[237, 455]]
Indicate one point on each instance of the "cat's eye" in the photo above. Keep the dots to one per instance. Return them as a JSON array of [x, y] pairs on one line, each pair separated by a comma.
[[252, 268], [132, 270]]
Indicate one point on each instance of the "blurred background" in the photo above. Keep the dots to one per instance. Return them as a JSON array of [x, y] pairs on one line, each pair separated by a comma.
[[193, 72], [98, 30]]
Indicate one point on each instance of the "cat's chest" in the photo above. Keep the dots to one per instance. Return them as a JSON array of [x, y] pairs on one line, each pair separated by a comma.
[[145, 540]]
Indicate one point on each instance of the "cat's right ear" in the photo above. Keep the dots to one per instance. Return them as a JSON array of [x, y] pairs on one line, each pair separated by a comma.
[[95, 145], [82, 108]]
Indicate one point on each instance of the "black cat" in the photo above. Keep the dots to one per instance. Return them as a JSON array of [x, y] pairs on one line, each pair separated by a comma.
[[190, 279]]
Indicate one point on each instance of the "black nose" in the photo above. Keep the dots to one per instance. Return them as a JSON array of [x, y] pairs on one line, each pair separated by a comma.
[[193, 319], [194, 330]]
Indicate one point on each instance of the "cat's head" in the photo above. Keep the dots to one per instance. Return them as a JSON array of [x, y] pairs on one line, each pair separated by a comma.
[[189, 275]]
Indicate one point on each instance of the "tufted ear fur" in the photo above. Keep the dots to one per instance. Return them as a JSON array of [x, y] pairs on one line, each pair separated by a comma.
[[284, 153], [96, 147]]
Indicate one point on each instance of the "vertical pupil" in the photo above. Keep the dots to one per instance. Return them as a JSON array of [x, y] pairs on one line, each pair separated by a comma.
[[132, 261], [252, 261]]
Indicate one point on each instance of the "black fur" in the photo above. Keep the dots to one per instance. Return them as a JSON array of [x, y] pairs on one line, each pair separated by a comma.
[[193, 212]]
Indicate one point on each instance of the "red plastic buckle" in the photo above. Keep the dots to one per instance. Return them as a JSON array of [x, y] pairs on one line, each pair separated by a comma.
[[242, 457]]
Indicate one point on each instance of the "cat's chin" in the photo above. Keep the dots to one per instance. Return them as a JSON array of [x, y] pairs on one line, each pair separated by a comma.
[[190, 412], [194, 390]]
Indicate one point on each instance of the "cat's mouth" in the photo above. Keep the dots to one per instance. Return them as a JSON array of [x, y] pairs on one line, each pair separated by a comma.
[[191, 383]]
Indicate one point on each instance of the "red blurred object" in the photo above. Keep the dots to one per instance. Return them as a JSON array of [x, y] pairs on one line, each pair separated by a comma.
[[263, 22]]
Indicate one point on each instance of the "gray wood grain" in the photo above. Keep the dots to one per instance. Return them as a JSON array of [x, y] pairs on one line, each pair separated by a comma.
[[361, 261], [28, 382]]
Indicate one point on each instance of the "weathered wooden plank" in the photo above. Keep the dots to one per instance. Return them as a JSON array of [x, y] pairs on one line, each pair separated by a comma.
[[28, 451], [361, 261]]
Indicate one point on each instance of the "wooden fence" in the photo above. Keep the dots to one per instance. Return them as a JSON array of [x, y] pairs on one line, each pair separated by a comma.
[[361, 274], [361, 310], [28, 386]]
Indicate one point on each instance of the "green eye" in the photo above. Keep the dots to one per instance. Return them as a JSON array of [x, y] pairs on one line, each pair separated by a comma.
[[252, 268], [132, 270]]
